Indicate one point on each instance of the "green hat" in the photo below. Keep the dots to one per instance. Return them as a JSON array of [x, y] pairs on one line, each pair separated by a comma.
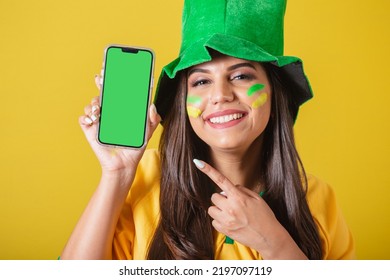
[[246, 29]]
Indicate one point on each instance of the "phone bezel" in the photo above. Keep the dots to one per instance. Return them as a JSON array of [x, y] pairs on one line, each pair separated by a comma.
[[151, 84]]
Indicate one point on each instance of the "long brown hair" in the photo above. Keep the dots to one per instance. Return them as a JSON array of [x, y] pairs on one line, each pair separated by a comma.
[[185, 230]]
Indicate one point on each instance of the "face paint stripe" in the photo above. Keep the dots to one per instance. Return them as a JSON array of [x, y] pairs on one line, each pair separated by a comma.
[[254, 88], [260, 101], [193, 111], [193, 99]]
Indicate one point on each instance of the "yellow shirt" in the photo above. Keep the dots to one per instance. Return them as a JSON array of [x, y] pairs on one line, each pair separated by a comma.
[[140, 215]]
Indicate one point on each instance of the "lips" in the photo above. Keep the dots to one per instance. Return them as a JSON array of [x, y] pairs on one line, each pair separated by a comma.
[[226, 118]]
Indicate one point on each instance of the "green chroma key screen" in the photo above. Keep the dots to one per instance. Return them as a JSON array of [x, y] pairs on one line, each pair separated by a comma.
[[125, 96]]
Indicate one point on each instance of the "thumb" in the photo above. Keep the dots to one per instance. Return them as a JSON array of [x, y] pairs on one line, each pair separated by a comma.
[[154, 120]]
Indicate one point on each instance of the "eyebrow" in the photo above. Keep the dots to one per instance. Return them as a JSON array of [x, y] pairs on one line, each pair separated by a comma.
[[239, 65], [230, 68]]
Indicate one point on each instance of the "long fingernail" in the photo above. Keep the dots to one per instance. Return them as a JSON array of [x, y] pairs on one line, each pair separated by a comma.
[[94, 108], [153, 108], [198, 163], [98, 79], [93, 118], [88, 121]]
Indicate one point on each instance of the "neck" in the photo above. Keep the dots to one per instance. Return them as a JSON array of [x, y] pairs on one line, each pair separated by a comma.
[[241, 165]]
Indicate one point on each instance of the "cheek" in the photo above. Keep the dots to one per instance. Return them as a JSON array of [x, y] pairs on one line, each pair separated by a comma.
[[261, 110], [256, 88], [260, 100], [193, 112], [194, 104], [197, 125], [257, 96]]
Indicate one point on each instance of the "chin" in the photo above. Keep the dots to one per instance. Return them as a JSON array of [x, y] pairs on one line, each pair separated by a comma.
[[227, 144]]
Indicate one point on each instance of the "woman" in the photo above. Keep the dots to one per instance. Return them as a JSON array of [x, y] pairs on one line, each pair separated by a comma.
[[227, 182]]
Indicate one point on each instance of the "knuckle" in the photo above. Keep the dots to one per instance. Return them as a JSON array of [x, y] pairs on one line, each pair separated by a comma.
[[240, 200], [221, 179], [243, 201], [87, 109], [231, 223], [232, 212], [95, 99]]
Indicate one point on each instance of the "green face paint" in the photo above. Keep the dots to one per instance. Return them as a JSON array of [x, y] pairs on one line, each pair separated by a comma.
[[255, 88], [193, 99], [260, 101]]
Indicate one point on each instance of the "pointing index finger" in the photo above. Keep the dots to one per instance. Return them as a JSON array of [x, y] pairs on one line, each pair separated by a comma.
[[218, 178]]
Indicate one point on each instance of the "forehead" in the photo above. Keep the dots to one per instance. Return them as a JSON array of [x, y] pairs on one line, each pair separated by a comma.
[[222, 62]]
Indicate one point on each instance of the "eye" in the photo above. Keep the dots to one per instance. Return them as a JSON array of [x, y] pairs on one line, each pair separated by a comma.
[[200, 82], [243, 77]]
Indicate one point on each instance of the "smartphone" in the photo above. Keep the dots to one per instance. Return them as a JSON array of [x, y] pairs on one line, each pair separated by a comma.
[[125, 94]]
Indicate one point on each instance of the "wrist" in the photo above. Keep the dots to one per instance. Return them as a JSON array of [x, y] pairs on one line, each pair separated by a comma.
[[122, 178], [279, 244]]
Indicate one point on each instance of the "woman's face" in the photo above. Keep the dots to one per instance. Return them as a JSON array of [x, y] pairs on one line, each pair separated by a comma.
[[228, 102]]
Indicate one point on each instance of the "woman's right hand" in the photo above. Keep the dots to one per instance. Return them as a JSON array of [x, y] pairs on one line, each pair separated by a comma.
[[93, 235], [113, 159]]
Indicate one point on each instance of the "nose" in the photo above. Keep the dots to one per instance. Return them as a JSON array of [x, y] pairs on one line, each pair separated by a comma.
[[221, 92]]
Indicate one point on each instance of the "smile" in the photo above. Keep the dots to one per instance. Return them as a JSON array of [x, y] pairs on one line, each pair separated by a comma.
[[226, 118]]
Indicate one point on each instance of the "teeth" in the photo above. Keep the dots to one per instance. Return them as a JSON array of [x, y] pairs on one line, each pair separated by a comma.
[[227, 118]]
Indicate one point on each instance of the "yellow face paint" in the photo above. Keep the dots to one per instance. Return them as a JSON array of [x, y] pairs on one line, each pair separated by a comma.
[[260, 101], [193, 111]]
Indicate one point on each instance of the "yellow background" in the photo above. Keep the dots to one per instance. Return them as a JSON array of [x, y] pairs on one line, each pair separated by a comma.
[[51, 50]]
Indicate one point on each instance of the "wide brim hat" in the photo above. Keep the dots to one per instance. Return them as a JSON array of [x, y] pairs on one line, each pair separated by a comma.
[[246, 29]]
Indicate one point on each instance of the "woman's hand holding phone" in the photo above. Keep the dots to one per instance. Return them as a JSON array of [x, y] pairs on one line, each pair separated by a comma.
[[113, 159], [117, 127]]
